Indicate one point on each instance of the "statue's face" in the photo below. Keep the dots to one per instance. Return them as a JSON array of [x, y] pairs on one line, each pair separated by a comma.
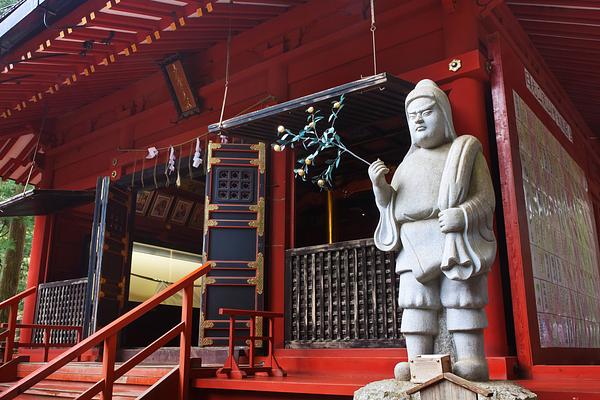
[[426, 123]]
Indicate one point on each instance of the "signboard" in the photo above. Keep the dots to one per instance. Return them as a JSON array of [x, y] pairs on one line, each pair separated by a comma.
[[549, 221], [562, 237]]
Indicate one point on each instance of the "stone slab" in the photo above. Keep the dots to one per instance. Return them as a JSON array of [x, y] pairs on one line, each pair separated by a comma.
[[392, 389]]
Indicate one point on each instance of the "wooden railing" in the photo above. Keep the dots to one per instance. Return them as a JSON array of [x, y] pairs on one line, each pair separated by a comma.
[[108, 337], [342, 295], [10, 329], [60, 303], [270, 366], [46, 342], [13, 308]]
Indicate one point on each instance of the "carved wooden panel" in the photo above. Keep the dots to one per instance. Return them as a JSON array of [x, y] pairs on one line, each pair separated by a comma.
[[60, 303], [234, 228], [342, 295]]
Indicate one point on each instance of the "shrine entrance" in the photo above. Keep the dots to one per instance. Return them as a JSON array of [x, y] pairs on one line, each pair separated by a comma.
[[166, 235]]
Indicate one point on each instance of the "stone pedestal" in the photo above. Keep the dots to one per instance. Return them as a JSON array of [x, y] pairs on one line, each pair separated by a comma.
[[392, 389]]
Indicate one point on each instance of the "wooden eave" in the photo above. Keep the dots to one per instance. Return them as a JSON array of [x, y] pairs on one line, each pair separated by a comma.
[[102, 46]]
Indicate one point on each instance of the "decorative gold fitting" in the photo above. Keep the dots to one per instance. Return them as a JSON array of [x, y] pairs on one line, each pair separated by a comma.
[[260, 161], [258, 264], [258, 278], [258, 331], [209, 159], [209, 223], [207, 209], [455, 65], [206, 342], [207, 281], [259, 223], [207, 324]]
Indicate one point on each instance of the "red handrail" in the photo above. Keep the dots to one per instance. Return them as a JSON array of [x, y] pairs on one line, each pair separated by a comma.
[[13, 305], [108, 336], [47, 332]]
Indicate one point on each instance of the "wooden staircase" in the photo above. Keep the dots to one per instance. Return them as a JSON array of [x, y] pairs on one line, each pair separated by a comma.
[[63, 377], [77, 377]]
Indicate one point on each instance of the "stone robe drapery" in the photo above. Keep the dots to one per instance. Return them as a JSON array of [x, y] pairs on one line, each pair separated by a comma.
[[465, 184]]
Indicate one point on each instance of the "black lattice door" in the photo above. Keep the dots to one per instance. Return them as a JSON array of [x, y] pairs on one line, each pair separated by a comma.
[[234, 228], [110, 262]]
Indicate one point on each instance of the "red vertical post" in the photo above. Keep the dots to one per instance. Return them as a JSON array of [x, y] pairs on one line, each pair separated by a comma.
[[230, 360], [46, 343], [39, 244], [12, 327], [108, 366], [270, 349], [79, 332], [280, 221], [251, 352], [467, 96], [185, 341]]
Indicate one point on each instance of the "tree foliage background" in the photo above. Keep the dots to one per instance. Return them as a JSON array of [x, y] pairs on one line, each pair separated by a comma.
[[15, 232], [22, 229], [4, 6]]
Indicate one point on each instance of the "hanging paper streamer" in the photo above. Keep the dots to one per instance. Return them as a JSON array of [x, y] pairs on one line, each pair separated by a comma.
[[152, 152], [197, 154], [224, 139], [171, 163]]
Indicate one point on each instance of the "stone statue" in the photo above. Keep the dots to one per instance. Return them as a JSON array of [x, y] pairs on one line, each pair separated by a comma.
[[438, 214]]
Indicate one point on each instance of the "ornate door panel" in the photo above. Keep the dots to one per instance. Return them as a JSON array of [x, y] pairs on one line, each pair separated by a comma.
[[234, 228], [110, 264]]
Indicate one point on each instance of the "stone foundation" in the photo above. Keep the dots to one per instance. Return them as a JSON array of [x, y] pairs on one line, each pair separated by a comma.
[[392, 389]]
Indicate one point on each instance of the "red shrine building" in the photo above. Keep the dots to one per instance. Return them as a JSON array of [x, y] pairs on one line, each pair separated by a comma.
[[174, 251]]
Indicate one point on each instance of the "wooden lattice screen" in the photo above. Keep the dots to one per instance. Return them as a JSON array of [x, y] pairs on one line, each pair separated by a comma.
[[342, 295], [60, 303]]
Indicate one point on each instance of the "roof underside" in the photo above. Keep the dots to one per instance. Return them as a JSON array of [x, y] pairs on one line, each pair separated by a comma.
[[102, 46], [567, 35], [43, 202]]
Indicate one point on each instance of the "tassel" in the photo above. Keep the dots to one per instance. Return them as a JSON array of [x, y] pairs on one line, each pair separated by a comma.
[[197, 154], [171, 163], [152, 152]]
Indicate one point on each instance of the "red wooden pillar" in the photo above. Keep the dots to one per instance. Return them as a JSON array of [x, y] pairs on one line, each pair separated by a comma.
[[280, 210], [37, 265], [467, 96]]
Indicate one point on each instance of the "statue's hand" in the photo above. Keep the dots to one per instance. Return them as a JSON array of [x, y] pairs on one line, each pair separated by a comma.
[[377, 172], [451, 220]]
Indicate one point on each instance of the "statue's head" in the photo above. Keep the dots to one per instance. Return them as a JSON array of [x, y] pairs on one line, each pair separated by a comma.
[[429, 115]]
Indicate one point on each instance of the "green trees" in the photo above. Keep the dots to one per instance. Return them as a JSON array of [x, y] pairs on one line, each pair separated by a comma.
[[5, 3], [15, 246]]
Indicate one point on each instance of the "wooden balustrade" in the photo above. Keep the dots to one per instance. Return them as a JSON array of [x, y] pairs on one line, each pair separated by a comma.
[[60, 303], [342, 295], [8, 335], [47, 330], [270, 366], [107, 336]]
